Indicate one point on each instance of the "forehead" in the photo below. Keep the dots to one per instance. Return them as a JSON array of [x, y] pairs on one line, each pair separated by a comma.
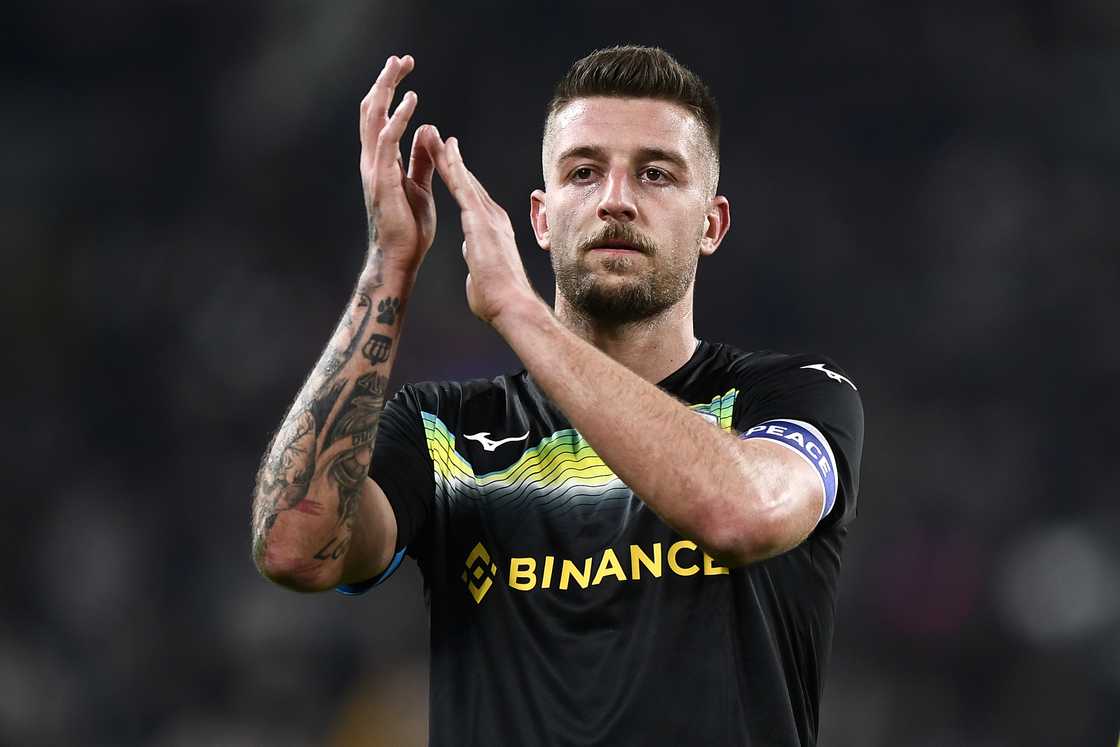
[[624, 124]]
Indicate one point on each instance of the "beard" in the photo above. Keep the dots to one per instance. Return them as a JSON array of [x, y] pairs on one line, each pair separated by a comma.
[[627, 296]]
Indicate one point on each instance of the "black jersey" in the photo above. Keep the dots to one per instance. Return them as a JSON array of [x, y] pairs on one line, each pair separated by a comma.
[[563, 611]]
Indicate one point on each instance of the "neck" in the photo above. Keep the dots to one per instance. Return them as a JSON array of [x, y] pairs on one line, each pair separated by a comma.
[[652, 348]]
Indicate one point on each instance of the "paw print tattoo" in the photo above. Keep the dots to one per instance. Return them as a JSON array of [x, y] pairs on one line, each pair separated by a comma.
[[387, 310]]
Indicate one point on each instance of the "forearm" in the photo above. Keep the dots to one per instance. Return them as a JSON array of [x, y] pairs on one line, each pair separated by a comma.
[[311, 481], [704, 483]]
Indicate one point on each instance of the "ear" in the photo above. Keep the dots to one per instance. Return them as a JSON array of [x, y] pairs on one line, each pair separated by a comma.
[[539, 218], [716, 222]]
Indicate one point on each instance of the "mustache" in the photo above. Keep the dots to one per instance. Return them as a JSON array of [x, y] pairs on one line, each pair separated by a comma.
[[619, 232]]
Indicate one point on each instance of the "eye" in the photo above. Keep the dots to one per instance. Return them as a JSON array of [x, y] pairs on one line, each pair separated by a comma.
[[654, 175], [582, 174]]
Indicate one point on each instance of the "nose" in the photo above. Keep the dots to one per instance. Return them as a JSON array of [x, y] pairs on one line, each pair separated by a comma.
[[617, 202]]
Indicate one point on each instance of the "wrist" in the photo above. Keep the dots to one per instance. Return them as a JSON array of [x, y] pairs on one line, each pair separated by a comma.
[[525, 312], [377, 273]]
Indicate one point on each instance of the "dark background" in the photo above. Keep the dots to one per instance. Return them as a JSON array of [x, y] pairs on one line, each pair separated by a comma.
[[927, 193]]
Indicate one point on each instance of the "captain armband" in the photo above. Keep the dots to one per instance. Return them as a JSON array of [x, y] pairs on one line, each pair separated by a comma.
[[807, 441]]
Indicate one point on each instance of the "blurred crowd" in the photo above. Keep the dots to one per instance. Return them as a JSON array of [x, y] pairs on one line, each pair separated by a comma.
[[927, 193]]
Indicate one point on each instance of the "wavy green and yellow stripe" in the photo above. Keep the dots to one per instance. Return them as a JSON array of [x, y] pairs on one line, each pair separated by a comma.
[[562, 465]]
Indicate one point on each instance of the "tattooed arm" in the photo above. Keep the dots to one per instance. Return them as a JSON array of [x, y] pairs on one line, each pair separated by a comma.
[[318, 518]]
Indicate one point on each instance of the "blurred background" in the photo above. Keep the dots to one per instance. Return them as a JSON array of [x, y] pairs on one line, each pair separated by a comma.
[[928, 193]]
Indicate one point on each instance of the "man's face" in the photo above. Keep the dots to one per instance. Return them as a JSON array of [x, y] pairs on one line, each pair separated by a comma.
[[628, 207]]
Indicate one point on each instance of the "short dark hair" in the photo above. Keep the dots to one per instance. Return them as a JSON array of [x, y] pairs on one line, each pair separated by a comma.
[[638, 72]]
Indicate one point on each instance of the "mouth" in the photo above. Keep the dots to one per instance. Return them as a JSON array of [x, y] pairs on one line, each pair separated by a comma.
[[616, 247]]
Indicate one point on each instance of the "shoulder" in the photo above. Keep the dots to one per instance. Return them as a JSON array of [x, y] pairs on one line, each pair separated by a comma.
[[770, 365]]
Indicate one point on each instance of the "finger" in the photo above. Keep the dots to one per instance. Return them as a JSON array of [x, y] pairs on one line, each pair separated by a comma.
[[384, 87], [421, 164], [369, 125], [478, 186], [449, 163], [375, 104], [389, 141], [470, 176]]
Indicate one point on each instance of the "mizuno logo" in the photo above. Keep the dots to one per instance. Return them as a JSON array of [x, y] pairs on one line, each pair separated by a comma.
[[483, 438], [830, 374]]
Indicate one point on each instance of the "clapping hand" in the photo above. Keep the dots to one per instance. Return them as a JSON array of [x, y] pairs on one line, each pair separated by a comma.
[[399, 206], [496, 279]]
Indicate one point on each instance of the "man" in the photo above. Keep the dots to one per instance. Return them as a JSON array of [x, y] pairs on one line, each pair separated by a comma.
[[635, 540]]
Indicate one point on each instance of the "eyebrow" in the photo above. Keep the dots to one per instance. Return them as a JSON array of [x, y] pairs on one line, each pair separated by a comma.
[[596, 153]]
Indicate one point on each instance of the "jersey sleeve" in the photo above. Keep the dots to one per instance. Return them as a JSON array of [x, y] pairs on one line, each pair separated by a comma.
[[402, 468], [813, 407]]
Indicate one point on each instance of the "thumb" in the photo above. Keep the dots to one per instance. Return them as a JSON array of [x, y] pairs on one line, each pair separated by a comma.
[[421, 165]]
